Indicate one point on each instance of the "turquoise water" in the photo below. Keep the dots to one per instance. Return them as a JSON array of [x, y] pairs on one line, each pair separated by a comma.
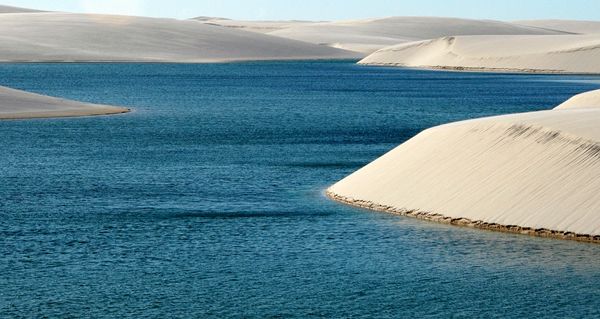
[[206, 201]]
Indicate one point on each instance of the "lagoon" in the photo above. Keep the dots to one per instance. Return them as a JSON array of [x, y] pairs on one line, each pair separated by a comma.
[[207, 200]]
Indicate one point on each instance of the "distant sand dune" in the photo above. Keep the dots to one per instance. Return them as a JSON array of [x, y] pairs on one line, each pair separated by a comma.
[[534, 173], [15, 104], [254, 26], [27, 36], [368, 35], [81, 37], [573, 26], [9, 9], [515, 53]]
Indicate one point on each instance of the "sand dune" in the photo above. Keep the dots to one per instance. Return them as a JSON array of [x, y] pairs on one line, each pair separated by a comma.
[[573, 26], [533, 173], [515, 53], [588, 100], [81, 37], [15, 104], [367, 36], [253, 26], [9, 9]]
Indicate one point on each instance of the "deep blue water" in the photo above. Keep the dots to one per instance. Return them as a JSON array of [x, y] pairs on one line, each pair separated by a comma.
[[206, 201]]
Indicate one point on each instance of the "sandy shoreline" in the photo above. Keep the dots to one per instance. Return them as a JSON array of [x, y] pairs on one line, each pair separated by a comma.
[[460, 69], [207, 61], [17, 104], [464, 222], [532, 173], [564, 54], [97, 111]]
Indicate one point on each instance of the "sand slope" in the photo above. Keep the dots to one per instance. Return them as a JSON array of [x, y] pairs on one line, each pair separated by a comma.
[[533, 173], [9, 9], [585, 100], [15, 104], [81, 37], [518, 53], [366, 36], [573, 26]]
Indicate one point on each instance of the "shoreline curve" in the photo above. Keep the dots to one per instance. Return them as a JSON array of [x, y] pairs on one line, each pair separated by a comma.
[[528, 173], [463, 222]]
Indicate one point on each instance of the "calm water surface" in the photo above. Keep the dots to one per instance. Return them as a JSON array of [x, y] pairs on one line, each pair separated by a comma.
[[206, 201]]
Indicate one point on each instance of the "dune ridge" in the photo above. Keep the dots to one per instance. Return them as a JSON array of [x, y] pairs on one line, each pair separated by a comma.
[[498, 53], [69, 37], [531, 173], [10, 9], [263, 26], [368, 35], [17, 104]]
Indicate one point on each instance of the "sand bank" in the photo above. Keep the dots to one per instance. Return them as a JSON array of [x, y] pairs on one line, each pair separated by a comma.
[[66, 37], [508, 53], [533, 173], [16, 104]]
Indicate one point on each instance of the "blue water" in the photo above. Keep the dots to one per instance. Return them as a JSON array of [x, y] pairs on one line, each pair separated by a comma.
[[206, 201]]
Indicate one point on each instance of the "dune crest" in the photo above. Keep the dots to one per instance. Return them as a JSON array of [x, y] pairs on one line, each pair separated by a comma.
[[254, 26], [10, 9], [585, 100], [500, 53], [16, 104], [66, 37], [533, 173]]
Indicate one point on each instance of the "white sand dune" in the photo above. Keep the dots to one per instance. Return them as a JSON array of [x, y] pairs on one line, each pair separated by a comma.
[[253, 26], [16, 104], [369, 35], [534, 173], [572, 26], [588, 100], [82, 37], [9, 9], [514, 53]]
